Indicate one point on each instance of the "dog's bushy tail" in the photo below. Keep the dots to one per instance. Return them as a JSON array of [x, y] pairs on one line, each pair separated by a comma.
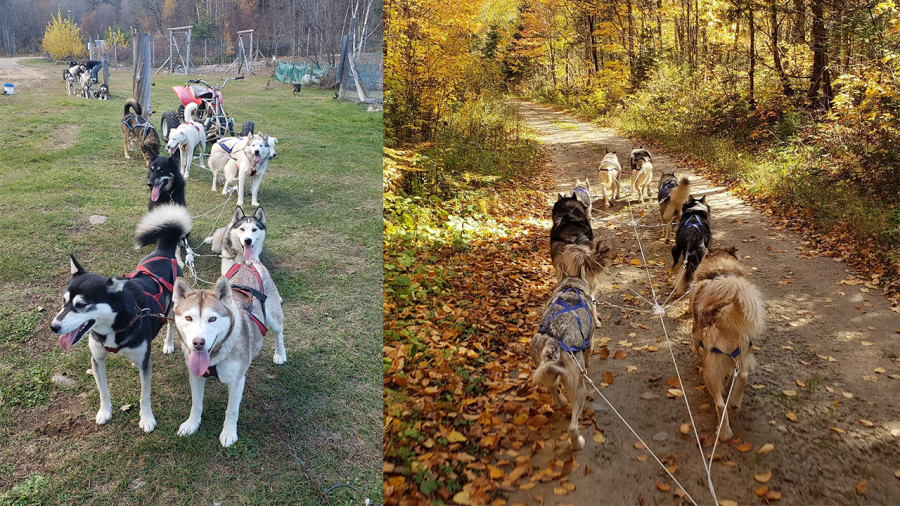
[[548, 357], [584, 261], [740, 303], [677, 198], [133, 105], [189, 112], [164, 226]]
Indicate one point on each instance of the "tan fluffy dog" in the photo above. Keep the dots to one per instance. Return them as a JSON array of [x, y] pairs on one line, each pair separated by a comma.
[[609, 177], [728, 313]]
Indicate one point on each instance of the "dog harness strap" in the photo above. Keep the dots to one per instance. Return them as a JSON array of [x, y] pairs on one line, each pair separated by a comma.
[[667, 189], [250, 293], [161, 283], [735, 353], [582, 191], [693, 222], [211, 371], [566, 308], [225, 146]]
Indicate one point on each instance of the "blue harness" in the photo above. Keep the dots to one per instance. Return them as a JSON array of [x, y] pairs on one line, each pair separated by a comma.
[[693, 222], [582, 191], [666, 189], [225, 146], [733, 355], [567, 308]]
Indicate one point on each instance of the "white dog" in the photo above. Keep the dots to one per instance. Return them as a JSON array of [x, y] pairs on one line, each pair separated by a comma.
[[238, 157], [609, 177], [186, 138]]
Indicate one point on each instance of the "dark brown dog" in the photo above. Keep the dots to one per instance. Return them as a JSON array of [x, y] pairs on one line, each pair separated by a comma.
[[136, 128]]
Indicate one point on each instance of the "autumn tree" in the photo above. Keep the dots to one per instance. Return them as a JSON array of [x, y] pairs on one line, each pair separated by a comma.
[[62, 38]]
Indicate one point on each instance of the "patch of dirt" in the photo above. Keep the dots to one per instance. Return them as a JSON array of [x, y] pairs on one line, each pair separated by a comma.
[[26, 78], [826, 330], [64, 137]]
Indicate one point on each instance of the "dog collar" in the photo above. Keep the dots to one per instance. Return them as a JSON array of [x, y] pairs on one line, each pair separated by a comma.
[[735, 353]]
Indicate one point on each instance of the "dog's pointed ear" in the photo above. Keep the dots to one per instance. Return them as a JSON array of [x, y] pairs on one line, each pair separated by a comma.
[[74, 266], [560, 196], [703, 199], [181, 290], [115, 284], [222, 290], [238, 214], [260, 215]]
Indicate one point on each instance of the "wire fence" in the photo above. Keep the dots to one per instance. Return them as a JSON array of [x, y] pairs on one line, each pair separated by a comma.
[[217, 56]]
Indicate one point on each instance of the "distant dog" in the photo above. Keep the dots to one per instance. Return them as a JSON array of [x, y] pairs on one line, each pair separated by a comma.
[[124, 314], [728, 314], [165, 182], [609, 177], [582, 190], [136, 128], [87, 84], [185, 138], [103, 93], [692, 240], [641, 172], [567, 325], [239, 157], [671, 197], [297, 87], [242, 239], [222, 331], [70, 83]]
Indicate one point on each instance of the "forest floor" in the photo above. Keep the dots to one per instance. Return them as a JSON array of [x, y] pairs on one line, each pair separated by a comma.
[[823, 393]]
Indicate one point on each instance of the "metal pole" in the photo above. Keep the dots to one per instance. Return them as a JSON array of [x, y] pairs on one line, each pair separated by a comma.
[[188, 66]]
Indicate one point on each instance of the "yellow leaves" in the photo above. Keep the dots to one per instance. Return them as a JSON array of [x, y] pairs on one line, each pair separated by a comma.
[[789, 393], [673, 393], [791, 416], [62, 38], [663, 487], [836, 429], [764, 477], [728, 502], [773, 495], [636, 262], [866, 423], [801, 384], [461, 497], [455, 437], [745, 447], [620, 354], [598, 437], [494, 472], [761, 491], [766, 448], [861, 487], [685, 428], [673, 382]]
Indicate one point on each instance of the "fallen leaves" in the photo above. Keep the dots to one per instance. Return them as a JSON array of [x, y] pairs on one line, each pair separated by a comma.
[[745, 447], [766, 448], [761, 490], [663, 487], [674, 392], [866, 423], [764, 477], [836, 429], [791, 416], [455, 437], [772, 495], [673, 382], [685, 428], [599, 438], [620, 354], [861, 487], [608, 378], [789, 393]]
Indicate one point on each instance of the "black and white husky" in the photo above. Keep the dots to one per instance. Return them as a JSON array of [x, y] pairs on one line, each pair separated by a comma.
[[241, 239], [692, 239], [124, 314]]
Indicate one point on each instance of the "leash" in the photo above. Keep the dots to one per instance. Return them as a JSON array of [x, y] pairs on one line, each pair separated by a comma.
[[281, 435], [189, 256], [584, 375]]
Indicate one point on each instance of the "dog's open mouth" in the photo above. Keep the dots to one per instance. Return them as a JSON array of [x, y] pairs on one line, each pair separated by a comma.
[[198, 362], [248, 251], [172, 150], [154, 192], [256, 158], [67, 340]]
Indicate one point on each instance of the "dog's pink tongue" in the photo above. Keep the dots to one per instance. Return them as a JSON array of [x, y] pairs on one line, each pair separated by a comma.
[[255, 158], [198, 362], [154, 193], [171, 151], [66, 340], [248, 251]]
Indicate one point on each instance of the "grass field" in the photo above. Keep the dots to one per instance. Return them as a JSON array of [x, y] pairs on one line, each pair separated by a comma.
[[61, 162]]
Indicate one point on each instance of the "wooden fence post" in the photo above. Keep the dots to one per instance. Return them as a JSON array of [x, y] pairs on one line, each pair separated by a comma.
[[141, 86], [106, 69]]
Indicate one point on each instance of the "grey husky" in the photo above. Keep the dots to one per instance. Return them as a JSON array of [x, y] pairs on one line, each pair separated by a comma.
[[567, 325], [222, 331], [124, 314], [241, 239]]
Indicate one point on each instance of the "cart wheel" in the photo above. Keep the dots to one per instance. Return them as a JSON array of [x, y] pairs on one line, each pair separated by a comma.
[[170, 121], [248, 128], [181, 114]]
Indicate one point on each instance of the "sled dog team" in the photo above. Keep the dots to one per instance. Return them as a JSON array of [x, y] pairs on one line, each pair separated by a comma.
[[727, 309], [221, 330]]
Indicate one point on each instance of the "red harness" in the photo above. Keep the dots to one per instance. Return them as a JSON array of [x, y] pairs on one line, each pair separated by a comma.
[[250, 293], [161, 284]]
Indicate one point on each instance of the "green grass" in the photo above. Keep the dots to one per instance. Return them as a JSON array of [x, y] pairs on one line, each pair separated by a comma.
[[62, 162]]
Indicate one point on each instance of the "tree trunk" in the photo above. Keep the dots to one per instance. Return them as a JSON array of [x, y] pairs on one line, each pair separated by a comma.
[[752, 71], [659, 25], [799, 22], [776, 52], [820, 78], [628, 14]]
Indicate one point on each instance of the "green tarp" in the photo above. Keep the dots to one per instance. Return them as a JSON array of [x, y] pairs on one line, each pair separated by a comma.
[[287, 72]]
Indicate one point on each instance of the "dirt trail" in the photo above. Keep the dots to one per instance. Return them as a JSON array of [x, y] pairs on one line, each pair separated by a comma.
[[22, 77], [810, 315]]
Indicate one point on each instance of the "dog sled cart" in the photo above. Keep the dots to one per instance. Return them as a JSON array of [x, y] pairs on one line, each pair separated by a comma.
[[210, 111]]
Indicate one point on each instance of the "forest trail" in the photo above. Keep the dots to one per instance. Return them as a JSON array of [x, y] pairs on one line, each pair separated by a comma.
[[829, 338]]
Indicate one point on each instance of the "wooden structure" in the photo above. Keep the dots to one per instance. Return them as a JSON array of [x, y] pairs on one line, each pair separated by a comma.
[[244, 57], [346, 63], [177, 47], [142, 69]]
